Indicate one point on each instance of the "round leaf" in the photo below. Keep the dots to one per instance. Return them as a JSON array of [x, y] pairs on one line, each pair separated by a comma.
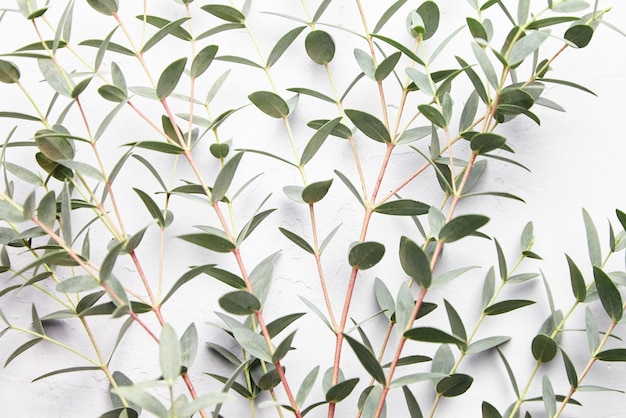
[[429, 12], [240, 302], [543, 348], [219, 151], [320, 47], [53, 145], [366, 255]]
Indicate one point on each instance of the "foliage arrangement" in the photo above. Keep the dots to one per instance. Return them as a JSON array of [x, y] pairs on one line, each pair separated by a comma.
[[411, 133]]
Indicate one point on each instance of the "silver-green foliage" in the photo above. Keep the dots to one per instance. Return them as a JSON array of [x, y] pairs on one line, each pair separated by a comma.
[[67, 177]]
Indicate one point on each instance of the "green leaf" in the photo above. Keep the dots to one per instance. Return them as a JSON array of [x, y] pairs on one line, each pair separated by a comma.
[[543, 348], [484, 142], [371, 126], [406, 51], [433, 115], [189, 345], [210, 241], [387, 66], [350, 186], [56, 77], [479, 88], [178, 32], [316, 94], [171, 28], [384, 299], [227, 13], [486, 344], [317, 140], [202, 60], [261, 277], [109, 261], [490, 411], [219, 151], [454, 385], [550, 21], [547, 393], [47, 210], [577, 280], [593, 240], [240, 302], [53, 145], [9, 73], [252, 224], [403, 207], [152, 207], [415, 262], [270, 103], [411, 403], [283, 43], [365, 255], [461, 226], [476, 29], [163, 147], [610, 296], [296, 239], [67, 370], [568, 6], [384, 18], [616, 354], [429, 12], [19, 350], [570, 370], [253, 343], [225, 178], [456, 323], [315, 192], [432, 335], [276, 326], [201, 402], [169, 354], [526, 46], [106, 7], [142, 398], [506, 306], [366, 63], [77, 284], [341, 390], [169, 78], [403, 308], [283, 348], [317, 312], [306, 386], [320, 47], [422, 81], [367, 359]]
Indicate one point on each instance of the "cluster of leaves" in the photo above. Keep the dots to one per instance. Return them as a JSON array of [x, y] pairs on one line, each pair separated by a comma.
[[66, 190]]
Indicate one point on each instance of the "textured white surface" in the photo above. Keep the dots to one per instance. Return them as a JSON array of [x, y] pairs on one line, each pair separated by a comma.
[[576, 160]]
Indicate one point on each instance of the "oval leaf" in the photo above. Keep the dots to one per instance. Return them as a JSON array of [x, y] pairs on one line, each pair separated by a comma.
[[169, 78], [315, 192], [371, 126], [9, 73], [270, 103], [609, 294], [320, 47], [240, 302], [415, 262], [484, 142], [461, 227], [454, 385], [341, 391], [543, 348], [432, 335], [366, 255]]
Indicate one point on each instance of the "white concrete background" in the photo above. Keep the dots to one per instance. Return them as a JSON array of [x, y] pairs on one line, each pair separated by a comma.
[[576, 160]]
